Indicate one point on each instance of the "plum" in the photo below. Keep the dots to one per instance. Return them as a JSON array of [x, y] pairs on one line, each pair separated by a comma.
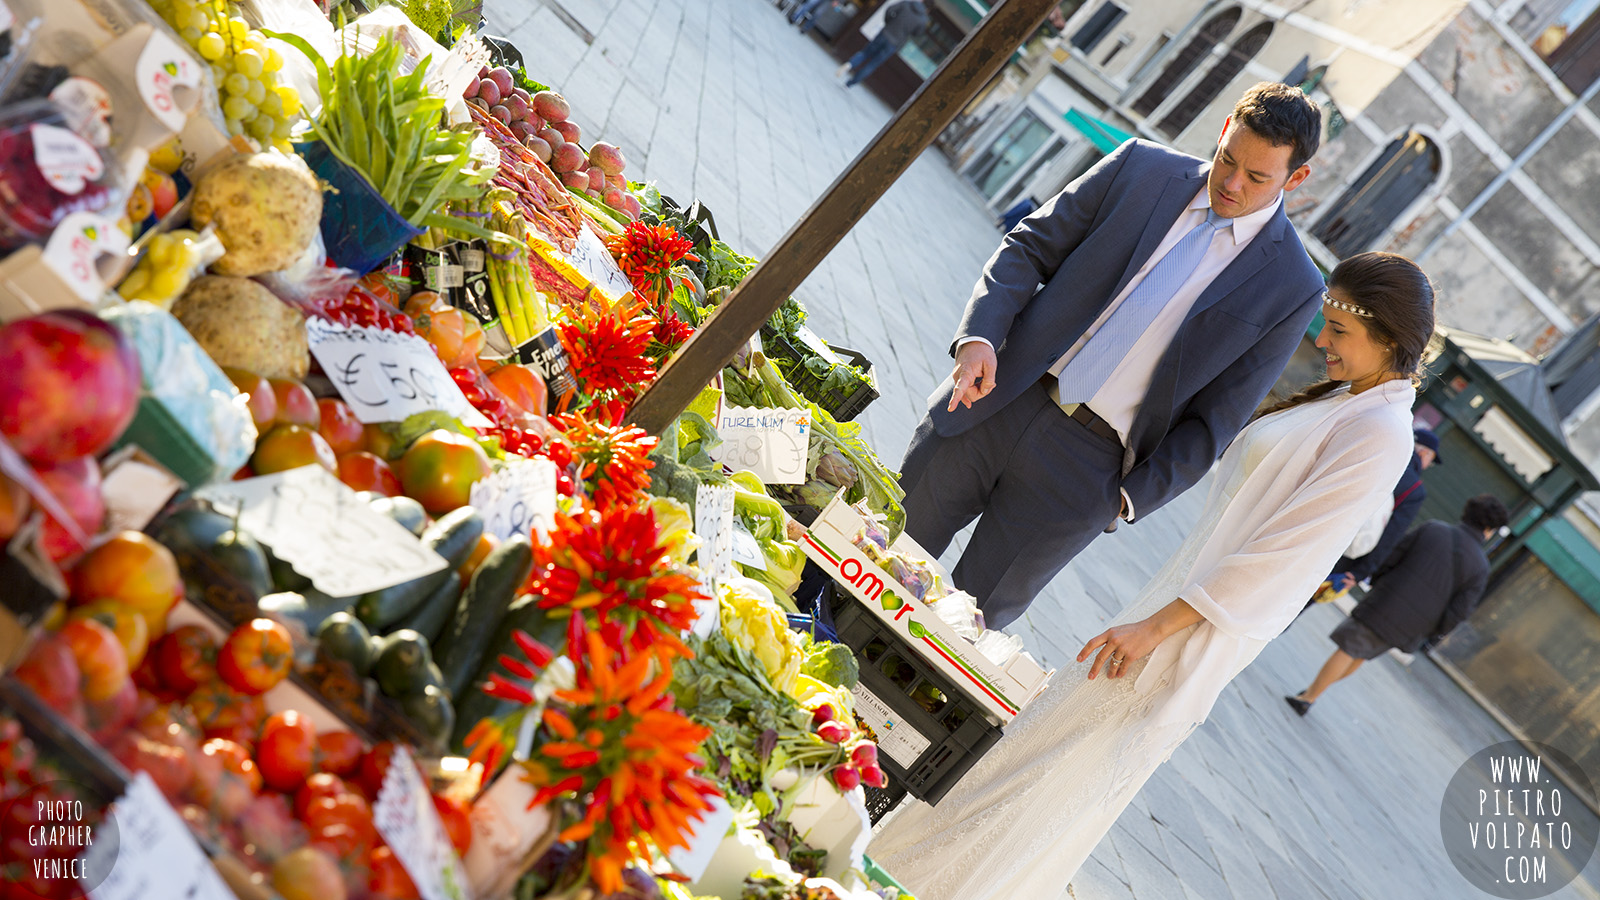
[[489, 91], [575, 180], [551, 136], [517, 105], [608, 157], [551, 106], [539, 148], [568, 157], [597, 179], [501, 113], [502, 77], [569, 130]]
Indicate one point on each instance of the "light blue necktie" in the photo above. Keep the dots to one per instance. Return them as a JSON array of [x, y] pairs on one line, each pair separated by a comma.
[[1086, 373]]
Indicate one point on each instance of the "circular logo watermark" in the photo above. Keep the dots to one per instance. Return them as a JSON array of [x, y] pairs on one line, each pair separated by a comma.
[[1511, 827], [56, 839]]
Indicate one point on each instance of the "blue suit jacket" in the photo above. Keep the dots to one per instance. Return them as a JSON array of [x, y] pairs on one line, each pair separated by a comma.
[[1083, 247]]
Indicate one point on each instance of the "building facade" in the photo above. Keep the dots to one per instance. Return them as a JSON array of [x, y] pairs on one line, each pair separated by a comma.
[[1465, 135]]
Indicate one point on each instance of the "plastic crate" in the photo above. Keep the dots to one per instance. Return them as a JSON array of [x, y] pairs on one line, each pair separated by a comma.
[[843, 407], [157, 432], [948, 731]]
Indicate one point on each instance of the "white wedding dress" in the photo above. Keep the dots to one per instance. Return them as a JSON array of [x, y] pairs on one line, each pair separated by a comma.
[[1289, 494]]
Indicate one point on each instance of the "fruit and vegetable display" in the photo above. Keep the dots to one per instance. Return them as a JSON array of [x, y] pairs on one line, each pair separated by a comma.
[[325, 518]]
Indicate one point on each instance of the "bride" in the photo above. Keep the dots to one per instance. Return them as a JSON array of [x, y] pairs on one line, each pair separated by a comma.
[[1288, 496]]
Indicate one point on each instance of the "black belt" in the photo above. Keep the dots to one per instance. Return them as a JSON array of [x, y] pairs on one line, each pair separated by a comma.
[[1080, 412]]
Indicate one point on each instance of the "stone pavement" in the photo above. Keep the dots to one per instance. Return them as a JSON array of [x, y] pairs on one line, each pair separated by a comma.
[[720, 100]]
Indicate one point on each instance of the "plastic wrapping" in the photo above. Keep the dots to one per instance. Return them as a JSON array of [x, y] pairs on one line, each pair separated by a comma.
[[189, 386], [960, 611], [48, 172], [999, 647]]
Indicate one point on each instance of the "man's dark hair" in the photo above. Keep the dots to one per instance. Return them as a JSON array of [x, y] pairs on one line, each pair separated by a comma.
[[1485, 512], [1283, 115]]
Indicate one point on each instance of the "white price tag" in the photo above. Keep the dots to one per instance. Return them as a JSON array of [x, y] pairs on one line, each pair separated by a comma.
[[77, 245], [405, 816], [155, 855], [591, 258], [386, 376], [319, 526], [746, 549], [517, 498], [67, 161], [168, 79], [772, 443], [713, 522]]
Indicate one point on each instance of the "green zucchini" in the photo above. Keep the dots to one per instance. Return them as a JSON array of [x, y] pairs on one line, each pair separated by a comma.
[[430, 616], [475, 706], [404, 510], [429, 709], [310, 607], [483, 605], [453, 537]]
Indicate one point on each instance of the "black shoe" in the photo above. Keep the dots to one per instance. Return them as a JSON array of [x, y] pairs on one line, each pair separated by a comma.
[[1301, 707]]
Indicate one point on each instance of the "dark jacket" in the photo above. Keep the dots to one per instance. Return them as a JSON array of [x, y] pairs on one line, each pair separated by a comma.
[[1430, 584], [1408, 497], [1083, 247], [903, 21]]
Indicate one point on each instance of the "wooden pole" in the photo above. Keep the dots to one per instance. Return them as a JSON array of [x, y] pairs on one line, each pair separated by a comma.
[[964, 72]]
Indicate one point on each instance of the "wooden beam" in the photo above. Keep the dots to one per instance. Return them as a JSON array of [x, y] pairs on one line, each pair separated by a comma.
[[963, 73]]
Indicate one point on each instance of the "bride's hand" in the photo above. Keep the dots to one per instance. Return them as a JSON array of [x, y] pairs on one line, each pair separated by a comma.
[[1119, 646]]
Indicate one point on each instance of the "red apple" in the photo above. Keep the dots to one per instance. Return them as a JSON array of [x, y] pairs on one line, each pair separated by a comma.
[[76, 486], [339, 426], [296, 405], [263, 402], [71, 385]]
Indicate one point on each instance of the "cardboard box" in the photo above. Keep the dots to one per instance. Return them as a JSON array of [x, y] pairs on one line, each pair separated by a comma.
[[830, 543]]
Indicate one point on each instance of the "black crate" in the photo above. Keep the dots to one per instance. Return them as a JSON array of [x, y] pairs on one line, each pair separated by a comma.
[[881, 800], [957, 727], [843, 407]]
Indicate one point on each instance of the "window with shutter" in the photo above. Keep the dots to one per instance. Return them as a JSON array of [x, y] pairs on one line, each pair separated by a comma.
[[1370, 205], [1186, 60]]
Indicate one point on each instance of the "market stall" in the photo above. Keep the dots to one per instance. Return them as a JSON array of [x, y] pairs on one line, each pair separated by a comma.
[[333, 566]]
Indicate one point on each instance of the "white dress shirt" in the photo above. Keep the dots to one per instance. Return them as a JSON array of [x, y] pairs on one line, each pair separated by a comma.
[[1118, 400]]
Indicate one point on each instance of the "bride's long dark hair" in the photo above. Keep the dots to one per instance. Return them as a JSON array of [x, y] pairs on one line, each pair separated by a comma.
[[1400, 298]]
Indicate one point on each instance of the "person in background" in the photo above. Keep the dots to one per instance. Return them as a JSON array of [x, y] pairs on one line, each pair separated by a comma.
[[1409, 493], [1430, 584], [902, 21], [805, 14]]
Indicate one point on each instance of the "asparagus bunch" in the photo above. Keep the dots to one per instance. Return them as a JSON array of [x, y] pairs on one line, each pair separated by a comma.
[[520, 307]]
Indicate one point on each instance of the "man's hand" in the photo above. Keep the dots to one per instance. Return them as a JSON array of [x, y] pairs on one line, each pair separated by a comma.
[[974, 374], [1344, 581]]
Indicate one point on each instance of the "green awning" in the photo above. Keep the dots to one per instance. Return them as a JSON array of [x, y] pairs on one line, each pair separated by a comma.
[[1105, 137]]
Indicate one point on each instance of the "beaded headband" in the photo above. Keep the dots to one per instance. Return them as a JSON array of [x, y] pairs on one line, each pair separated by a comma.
[[1347, 307]]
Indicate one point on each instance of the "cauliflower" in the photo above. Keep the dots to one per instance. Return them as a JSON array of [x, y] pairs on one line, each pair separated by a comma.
[[753, 620]]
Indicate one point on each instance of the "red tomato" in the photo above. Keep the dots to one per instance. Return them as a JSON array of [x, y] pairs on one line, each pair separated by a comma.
[[322, 784], [290, 447], [349, 810], [226, 780], [340, 427], [338, 752], [363, 471], [262, 401], [101, 659], [51, 670], [387, 879], [256, 656], [374, 765], [522, 386], [457, 820], [224, 712], [186, 657], [440, 468], [285, 752], [296, 405], [169, 766]]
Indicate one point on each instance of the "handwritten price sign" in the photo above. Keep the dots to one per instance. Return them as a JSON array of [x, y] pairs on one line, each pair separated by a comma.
[[517, 498], [328, 534], [155, 856], [386, 376], [772, 443], [405, 816], [592, 260]]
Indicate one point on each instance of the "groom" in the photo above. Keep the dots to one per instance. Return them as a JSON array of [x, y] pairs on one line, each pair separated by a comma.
[[1117, 341]]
